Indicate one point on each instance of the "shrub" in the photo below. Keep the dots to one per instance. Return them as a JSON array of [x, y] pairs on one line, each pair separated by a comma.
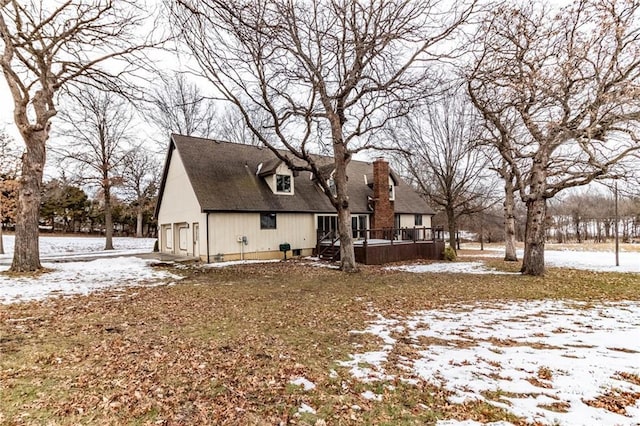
[[449, 254]]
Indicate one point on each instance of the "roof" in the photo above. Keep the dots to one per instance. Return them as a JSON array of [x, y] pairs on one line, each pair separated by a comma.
[[225, 177]]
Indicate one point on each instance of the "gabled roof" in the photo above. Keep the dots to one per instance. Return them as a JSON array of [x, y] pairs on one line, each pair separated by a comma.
[[268, 168], [225, 178]]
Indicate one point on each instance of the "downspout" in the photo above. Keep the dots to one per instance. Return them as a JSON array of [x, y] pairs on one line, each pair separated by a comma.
[[207, 228]]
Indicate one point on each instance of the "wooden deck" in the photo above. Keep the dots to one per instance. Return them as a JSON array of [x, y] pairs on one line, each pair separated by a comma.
[[388, 245]]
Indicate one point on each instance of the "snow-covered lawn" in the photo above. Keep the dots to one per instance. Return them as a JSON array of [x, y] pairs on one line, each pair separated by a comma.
[[77, 277], [70, 278], [448, 267], [552, 362], [603, 261], [52, 247]]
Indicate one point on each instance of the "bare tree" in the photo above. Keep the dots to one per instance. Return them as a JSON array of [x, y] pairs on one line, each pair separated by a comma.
[[9, 165], [178, 106], [232, 127], [505, 172], [140, 182], [570, 81], [98, 129], [443, 157], [46, 47], [326, 73]]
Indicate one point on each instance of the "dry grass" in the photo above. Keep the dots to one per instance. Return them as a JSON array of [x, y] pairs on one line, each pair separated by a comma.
[[222, 346]]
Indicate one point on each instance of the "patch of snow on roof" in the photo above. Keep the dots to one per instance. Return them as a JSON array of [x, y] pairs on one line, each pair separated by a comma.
[[541, 354]]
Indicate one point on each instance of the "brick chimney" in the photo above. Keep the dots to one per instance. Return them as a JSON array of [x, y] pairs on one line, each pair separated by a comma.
[[383, 209]]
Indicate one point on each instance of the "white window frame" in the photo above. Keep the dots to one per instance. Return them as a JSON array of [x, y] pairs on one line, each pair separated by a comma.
[[290, 183], [168, 236], [183, 238], [275, 221]]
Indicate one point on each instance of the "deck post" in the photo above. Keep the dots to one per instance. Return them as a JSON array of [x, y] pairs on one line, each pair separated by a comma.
[[365, 250]]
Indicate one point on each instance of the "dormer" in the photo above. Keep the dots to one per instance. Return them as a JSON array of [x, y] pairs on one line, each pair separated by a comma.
[[278, 176]]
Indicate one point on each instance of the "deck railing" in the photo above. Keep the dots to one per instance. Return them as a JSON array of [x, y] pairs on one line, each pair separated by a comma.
[[327, 243], [396, 235]]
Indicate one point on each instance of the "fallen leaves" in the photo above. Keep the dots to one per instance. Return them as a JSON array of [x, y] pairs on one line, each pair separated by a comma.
[[222, 346], [614, 400]]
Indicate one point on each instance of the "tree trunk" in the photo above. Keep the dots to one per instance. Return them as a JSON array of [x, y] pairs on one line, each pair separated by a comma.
[[26, 252], [451, 224], [139, 218], [481, 232], [533, 262], [510, 254], [108, 220], [347, 254]]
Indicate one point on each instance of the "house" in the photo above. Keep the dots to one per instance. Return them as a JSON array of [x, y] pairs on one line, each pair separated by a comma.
[[228, 201]]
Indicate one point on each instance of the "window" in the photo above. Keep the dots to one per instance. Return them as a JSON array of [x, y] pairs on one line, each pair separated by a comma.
[[418, 221], [392, 192], [283, 183], [267, 221], [359, 226], [168, 236], [183, 233], [327, 226]]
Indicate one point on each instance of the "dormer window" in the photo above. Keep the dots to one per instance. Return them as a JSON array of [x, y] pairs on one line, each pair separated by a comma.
[[283, 183], [392, 191], [278, 176]]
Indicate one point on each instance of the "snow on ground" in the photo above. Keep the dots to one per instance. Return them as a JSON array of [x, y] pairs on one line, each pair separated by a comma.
[[593, 261], [542, 360], [449, 267], [238, 262], [304, 382], [55, 248], [108, 270], [470, 423], [602, 261], [71, 278]]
